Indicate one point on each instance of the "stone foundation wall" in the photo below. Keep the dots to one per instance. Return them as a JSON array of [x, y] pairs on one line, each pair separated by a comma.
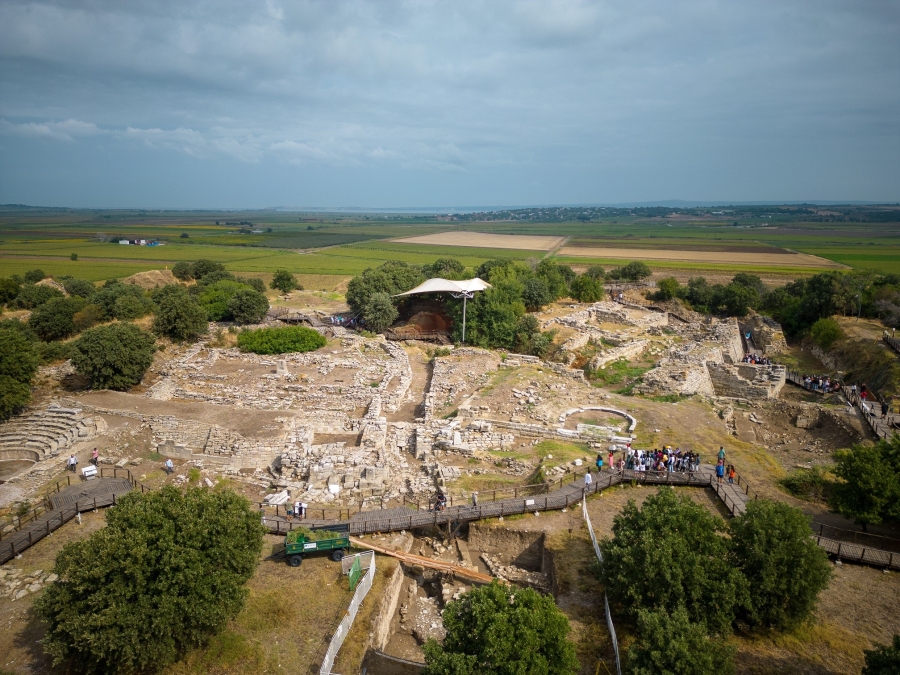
[[746, 381]]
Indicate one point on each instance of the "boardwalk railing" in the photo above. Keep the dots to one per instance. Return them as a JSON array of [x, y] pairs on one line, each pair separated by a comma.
[[609, 621], [867, 409], [344, 627], [855, 537], [891, 341]]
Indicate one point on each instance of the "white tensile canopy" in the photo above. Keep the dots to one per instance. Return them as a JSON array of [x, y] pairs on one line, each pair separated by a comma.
[[464, 289], [447, 286]]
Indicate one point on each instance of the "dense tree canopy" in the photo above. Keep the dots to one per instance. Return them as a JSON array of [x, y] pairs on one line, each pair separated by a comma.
[[784, 567], [284, 281], [9, 289], [379, 312], [248, 306], [587, 289], [178, 315], [122, 301], [883, 659], [669, 643], [280, 340], [31, 296], [165, 574], [54, 320], [869, 487], [115, 356], [671, 553], [391, 277], [18, 364], [500, 630]]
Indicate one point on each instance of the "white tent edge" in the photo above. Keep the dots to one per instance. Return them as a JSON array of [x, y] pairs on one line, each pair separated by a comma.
[[438, 285]]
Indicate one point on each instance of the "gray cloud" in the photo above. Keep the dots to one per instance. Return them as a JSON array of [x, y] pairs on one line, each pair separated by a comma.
[[449, 102]]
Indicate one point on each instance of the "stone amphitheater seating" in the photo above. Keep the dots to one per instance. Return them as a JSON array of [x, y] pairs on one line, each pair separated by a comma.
[[45, 432]]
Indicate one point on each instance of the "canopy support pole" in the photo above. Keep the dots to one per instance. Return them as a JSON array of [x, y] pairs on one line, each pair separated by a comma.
[[465, 295]]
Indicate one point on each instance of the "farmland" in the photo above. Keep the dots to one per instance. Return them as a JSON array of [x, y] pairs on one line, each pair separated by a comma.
[[343, 245]]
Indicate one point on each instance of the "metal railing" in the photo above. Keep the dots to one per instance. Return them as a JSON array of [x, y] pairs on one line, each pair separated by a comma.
[[891, 341]]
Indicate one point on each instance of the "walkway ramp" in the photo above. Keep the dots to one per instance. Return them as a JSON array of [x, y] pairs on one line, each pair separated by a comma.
[[430, 563]]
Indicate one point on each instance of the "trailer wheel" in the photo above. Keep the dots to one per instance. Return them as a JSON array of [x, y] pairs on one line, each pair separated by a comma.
[[337, 554], [295, 560]]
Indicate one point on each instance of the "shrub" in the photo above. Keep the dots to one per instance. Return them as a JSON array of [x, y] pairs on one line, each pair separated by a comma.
[[248, 306], [88, 317], [671, 553], [502, 631], [54, 320], [667, 289], [391, 277], [183, 271], [825, 332], [810, 484], [53, 352], [379, 312], [80, 287], [114, 356], [31, 296], [18, 364], [34, 276], [587, 289], [203, 267], [280, 340], [596, 272], [214, 298], [671, 643], [784, 567], [869, 489], [284, 281], [147, 611], [9, 289], [122, 301], [536, 294], [179, 316], [635, 271], [883, 659]]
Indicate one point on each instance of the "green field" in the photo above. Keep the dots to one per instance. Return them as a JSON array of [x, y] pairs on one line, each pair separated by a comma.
[[329, 244]]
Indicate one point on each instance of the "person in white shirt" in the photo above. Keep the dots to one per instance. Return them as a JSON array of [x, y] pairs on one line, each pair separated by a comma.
[[72, 462], [170, 467]]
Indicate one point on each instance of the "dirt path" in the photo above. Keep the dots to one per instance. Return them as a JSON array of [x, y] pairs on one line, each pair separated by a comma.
[[421, 379]]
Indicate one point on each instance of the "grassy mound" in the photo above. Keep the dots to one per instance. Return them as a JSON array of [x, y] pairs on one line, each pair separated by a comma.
[[280, 340]]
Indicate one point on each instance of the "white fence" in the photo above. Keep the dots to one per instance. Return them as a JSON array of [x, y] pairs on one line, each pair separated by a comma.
[[609, 621], [361, 590]]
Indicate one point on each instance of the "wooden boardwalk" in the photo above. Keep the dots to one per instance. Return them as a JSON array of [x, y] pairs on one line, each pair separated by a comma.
[[66, 503]]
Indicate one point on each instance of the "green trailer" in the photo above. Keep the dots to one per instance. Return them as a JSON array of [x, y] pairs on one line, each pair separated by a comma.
[[300, 542]]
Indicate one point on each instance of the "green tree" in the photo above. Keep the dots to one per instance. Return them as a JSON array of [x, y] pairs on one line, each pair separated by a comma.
[[499, 630], [165, 574], [18, 364], [596, 272], [34, 276], [825, 332], [179, 315], [671, 553], [536, 294], [31, 296], [258, 284], [869, 491], [284, 281], [215, 297], [74, 256], [248, 306], [556, 276], [445, 268], [9, 289], [203, 267], [87, 317], [884, 659], [750, 281], [667, 289], [183, 271], [54, 320], [587, 289], [738, 300], [392, 277], [280, 340], [670, 644], [80, 287], [122, 301], [115, 356], [379, 312], [185, 235], [635, 271], [786, 571]]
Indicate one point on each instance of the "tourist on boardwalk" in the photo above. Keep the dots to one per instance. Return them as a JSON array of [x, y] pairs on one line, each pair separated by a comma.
[[721, 453], [303, 507], [599, 462], [588, 479], [441, 502], [297, 509], [720, 472], [72, 462], [169, 466], [884, 408], [474, 499], [610, 458], [731, 473], [95, 457]]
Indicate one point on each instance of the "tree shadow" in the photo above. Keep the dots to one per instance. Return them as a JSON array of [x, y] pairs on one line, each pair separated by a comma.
[[28, 639]]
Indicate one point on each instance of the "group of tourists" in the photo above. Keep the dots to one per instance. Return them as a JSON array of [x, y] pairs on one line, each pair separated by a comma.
[[349, 322], [821, 383], [661, 460], [756, 360]]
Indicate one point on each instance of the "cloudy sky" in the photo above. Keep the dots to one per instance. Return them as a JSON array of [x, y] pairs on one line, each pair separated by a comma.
[[178, 103]]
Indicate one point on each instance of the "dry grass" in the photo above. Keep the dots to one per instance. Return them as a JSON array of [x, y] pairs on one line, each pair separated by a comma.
[[523, 242], [713, 257]]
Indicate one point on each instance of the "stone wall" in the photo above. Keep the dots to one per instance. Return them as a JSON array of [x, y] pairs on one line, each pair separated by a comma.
[[766, 333], [626, 351], [745, 380]]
